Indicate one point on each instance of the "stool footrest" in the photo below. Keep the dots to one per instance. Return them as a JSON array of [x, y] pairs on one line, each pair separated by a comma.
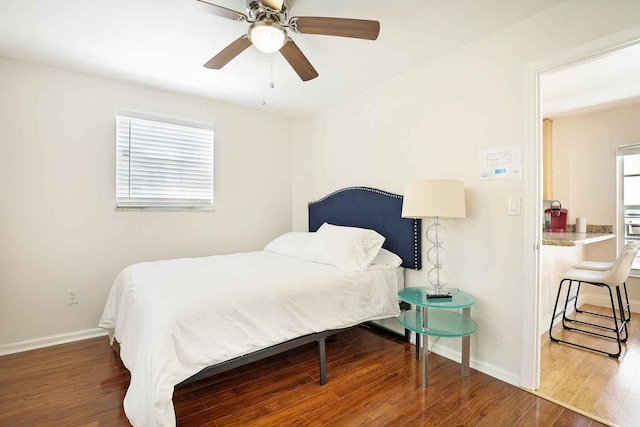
[[595, 334], [593, 325], [626, 318], [619, 327]]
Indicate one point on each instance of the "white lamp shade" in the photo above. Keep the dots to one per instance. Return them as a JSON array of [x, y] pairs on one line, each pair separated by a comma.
[[442, 198]]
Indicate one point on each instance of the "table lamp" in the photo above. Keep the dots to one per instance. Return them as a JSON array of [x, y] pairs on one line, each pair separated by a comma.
[[435, 199]]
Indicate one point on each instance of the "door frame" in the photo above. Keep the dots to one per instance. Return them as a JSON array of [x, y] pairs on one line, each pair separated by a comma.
[[532, 200]]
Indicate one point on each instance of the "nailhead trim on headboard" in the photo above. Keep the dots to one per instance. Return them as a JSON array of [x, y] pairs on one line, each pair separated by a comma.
[[416, 222], [415, 243], [372, 190]]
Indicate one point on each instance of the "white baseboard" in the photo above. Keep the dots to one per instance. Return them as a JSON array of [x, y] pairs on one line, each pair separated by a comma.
[[32, 344], [545, 322], [603, 301], [485, 368]]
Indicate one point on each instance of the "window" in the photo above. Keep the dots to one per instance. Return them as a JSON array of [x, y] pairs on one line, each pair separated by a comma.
[[163, 163], [629, 197]]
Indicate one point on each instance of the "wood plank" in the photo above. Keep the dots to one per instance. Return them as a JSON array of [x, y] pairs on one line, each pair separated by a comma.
[[500, 395], [629, 411], [571, 419], [541, 414], [511, 409], [373, 380], [606, 387], [291, 412], [366, 397]]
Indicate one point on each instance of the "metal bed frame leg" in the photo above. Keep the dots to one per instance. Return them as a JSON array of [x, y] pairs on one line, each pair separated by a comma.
[[323, 360]]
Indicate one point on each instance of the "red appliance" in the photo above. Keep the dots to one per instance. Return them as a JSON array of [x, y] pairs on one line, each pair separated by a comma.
[[555, 218]]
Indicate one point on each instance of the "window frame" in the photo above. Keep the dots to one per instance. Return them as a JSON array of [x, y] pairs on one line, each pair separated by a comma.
[[169, 121], [621, 152]]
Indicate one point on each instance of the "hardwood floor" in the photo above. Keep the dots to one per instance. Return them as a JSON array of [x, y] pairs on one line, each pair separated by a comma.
[[373, 380], [606, 387]]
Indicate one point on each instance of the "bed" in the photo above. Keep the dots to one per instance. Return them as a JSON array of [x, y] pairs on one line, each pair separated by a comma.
[[181, 320]]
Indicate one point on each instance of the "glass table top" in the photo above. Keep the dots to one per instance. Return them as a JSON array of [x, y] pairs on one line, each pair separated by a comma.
[[418, 296], [440, 323]]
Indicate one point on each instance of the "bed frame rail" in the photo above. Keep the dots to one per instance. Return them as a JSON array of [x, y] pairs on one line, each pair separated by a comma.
[[268, 352]]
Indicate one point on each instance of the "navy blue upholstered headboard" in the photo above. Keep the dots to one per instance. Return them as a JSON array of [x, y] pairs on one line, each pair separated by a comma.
[[376, 210]]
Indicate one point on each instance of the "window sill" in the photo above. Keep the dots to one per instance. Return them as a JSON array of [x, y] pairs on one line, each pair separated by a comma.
[[167, 209]]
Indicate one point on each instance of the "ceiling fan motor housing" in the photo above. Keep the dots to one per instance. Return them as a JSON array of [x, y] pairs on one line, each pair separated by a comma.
[[256, 11]]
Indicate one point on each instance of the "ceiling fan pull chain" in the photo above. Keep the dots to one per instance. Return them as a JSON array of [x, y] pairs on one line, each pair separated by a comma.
[[264, 85], [272, 85]]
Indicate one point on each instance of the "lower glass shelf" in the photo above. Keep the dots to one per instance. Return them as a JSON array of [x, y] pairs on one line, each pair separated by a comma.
[[440, 323]]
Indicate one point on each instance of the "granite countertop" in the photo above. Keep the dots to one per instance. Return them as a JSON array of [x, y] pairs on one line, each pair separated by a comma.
[[595, 233], [574, 239]]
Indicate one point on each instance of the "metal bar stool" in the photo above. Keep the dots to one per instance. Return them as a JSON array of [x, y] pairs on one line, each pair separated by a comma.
[[613, 278], [604, 266]]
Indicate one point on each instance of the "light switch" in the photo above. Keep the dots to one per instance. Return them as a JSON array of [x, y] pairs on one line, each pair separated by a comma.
[[513, 208]]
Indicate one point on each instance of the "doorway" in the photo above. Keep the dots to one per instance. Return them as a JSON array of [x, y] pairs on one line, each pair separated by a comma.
[[533, 154]]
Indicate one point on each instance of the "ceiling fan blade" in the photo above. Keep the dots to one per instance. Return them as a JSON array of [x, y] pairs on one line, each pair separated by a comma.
[[273, 4], [341, 27], [298, 61], [228, 53], [214, 9]]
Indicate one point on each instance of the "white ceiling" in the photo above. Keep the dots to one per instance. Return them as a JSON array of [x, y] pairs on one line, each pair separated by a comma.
[[604, 82], [164, 43]]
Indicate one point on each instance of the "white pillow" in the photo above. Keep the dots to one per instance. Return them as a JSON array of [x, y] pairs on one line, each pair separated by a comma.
[[349, 248], [385, 260], [289, 244]]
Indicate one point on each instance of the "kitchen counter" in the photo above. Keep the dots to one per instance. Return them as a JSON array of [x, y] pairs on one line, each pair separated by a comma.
[[574, 239]]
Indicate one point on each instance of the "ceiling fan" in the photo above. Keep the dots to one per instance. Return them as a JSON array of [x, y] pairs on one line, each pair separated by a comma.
[[269, 21]]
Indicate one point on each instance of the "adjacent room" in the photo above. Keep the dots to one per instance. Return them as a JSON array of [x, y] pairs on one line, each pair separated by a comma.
[[590, 137], [278, 212]]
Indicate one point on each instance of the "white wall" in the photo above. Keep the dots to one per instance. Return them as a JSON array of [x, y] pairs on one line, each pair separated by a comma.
[[555, 260], [58, 226], [561, 152], [585, 163], [587, 144], [430, 122]]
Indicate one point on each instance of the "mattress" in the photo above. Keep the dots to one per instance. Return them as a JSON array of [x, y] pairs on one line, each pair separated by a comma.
[[173, 318]]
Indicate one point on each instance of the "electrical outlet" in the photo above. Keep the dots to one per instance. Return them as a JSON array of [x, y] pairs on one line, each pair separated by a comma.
[[72, 296]]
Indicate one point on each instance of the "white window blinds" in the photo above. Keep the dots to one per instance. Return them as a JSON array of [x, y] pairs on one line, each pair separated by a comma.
[[163, 163]]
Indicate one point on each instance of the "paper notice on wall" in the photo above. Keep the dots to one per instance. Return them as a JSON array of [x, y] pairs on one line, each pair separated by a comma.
[[500, 162]]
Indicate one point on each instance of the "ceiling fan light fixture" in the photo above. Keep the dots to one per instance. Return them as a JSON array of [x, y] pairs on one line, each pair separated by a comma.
[[267, 36], [270, 20]]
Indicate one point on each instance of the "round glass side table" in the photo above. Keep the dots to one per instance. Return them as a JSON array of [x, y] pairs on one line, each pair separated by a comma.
[[440, 321]]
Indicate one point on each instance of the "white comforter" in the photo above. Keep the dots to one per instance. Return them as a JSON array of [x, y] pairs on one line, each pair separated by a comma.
[[173, 318]]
